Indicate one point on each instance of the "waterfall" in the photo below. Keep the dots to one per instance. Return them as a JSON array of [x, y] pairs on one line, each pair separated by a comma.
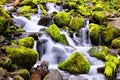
[[83, 35], [38, 9]]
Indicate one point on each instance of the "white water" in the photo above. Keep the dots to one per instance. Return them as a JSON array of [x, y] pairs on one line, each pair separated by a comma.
[[56, 52]]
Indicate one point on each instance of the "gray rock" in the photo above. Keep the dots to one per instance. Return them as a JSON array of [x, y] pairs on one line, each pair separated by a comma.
[[54, 75]]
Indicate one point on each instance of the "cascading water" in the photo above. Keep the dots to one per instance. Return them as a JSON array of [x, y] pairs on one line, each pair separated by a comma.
[[55, 52]]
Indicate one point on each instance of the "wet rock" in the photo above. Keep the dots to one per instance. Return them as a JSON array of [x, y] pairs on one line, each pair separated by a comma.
[[45, 20], [54, 75], [16, 3], [40, 72], [18, 23], [75, 64], [118, 72], [34, 35], [41, 47], [99, 52], [101, 70]]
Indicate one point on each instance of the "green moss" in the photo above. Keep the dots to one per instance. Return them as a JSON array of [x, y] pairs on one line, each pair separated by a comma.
[[108, 34], [72, 5], [43, 9], [76, 64], [27, 9], [22, 56], [76, 23], [54, 31], [62, 39], [2, 2], [116, 43], [99, 16], [5, 62], [31, 3], [83, 10], [22, 72], [52, 1], [26, 42], [108, 71], [94, 33], [18, 77], [99, 52], [4, 21], [62, 19]]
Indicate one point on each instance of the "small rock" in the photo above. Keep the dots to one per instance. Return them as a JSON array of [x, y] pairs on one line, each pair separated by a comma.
[[2, 39], [45, 21], [54, 75]]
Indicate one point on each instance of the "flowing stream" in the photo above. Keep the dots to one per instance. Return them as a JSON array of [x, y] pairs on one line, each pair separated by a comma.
[[56, 52]]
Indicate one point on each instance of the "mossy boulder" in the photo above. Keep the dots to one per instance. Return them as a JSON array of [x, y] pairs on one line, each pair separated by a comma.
[[27, 9], [54, 31], [24, 73], [116, 43], [22, 56], [43, 9], [4, 20], [76, 64], [2, 2], [111, 65], [31, 3], [99, 52], [83, 10], [76, 23], [108, 34], [94, 33], [62, 19], [99, 17], [26, 42]]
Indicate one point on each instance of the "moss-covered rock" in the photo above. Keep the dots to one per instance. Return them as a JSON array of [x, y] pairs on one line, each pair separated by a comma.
[[76, 23], [4, 20], [26, 42], [76, 64], [83, 10], [22, 72], [31, 3], [27, 9], [108, 34], [94, 33], [54, 31], [62, 19], [116, 43], [62, 39], [99, 52], [110, 66], [98, 17], [22, 56], [2, 2]]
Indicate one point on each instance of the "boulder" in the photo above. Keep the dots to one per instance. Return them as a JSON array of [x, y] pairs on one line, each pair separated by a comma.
[[22, 56], [99, 52], [76, 64], [54, 75], [76, 23], [62, 39], [62, 19], [116, 43], [94, 33], [108, 34]]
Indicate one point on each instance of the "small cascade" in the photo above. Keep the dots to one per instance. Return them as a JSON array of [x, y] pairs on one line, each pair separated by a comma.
[[31, 25], [38, 9], [53, 7], [83, 36]]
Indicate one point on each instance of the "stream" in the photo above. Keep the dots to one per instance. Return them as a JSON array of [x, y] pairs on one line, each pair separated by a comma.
[[55, 52]]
